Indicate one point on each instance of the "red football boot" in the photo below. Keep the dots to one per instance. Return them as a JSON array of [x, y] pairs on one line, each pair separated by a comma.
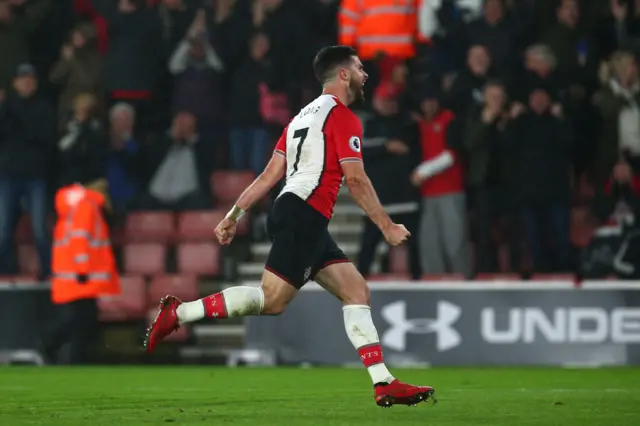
[[166, 322], [397, 392]]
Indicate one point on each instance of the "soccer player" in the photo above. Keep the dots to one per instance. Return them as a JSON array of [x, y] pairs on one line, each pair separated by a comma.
[[320, 146]]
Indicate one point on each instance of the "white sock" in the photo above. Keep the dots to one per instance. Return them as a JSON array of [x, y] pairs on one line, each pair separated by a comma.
[[237, 301], [364, 337]]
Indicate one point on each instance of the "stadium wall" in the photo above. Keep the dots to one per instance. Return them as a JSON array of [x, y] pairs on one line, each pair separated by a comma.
[[477, 323]]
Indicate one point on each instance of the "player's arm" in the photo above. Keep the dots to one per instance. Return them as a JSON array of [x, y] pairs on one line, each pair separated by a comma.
[[364, 194], [261, 186], [345, 132]]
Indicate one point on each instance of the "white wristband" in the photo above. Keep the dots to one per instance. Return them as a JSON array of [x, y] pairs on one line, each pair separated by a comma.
[[235, 213]]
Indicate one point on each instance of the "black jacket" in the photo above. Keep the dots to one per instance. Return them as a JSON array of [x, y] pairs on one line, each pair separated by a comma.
[[27, 127], [390, 173], [540, 153]]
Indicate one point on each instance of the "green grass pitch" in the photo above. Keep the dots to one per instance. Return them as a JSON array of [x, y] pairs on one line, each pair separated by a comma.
[[136, 396]]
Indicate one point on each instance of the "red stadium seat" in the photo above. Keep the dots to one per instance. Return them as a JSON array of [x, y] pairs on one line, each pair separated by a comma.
[[199, 258], [130, 304], [184, 287], [28, 261], [150, 227], [553, 277], [15, 279], [398, 259], [24, 233], [199, 225], [389, 277], [145, 258], [180, 335], [498, 277], [226, 187], [442, 277], [582, 226]]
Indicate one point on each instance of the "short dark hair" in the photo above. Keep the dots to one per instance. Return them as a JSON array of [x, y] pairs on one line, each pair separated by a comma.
[[329, 58]]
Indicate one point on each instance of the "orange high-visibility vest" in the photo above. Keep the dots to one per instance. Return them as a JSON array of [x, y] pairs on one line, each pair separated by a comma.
[[81, 247], [372, 26]]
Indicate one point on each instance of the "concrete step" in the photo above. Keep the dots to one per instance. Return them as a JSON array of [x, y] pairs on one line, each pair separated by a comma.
[[218, 335]]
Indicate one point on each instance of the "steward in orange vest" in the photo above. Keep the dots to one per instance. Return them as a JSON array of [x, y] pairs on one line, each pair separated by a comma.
[[381, 26], [83, 265], [83, 268]]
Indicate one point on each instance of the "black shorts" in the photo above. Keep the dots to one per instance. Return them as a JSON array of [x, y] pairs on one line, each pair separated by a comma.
[[302, 245]]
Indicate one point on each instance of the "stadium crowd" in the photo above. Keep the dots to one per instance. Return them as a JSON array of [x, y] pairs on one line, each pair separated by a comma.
[[499, 131]]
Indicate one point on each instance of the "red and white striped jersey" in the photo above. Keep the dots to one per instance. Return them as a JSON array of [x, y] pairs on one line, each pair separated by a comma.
[[323, 135]]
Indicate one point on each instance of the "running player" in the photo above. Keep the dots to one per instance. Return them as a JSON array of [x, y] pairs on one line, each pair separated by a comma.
[[320, 147]]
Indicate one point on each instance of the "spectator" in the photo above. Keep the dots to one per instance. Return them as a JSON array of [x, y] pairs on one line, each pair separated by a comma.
[[444, 244], [81, 150], [176, 17], [18, 21], [539, 70], [179, 181], [249, 138], [26, 129], [466, 89], [79, 70], [498, 32], [124, 159], [135, 53], [614, 248], [390, 154], [619, 30], [619, 104], [197, 87], [488, 177], [574, 52], [539, 144]]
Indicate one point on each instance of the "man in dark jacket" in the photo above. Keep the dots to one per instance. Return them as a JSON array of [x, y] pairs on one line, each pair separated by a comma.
[[390, 153], [136, 53], [539, 144], [466, 89], [488, 174], [27, 124]]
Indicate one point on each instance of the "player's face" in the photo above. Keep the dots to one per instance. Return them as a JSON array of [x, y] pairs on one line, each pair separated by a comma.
[[357, 79]]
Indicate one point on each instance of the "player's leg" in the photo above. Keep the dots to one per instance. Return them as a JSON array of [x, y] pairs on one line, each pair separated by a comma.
[[340, 277], [270, 298], [284, 275]]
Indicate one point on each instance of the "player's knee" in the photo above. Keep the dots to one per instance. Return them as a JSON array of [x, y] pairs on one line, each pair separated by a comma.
[[277, 296], [358, 294]]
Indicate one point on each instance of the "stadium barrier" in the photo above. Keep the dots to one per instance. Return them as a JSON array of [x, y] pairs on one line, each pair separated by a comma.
[[465, 323]]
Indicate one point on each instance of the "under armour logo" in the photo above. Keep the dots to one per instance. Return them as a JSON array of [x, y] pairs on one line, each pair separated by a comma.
[[396, 336], [307, 273]]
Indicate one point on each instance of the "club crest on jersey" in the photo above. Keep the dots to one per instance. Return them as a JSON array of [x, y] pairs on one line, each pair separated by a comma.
[[355, 144]]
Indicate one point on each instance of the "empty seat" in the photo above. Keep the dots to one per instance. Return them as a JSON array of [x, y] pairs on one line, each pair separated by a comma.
[[498, 277], [389, 277], [398, 260], [145, 258], [18, 279], [199, 258], [129, 305], [184, 287], [150, 226], [553, 277], [443, 277], [28, 261], [199, 225], [180, 335], [227, 186], [24, 233]]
